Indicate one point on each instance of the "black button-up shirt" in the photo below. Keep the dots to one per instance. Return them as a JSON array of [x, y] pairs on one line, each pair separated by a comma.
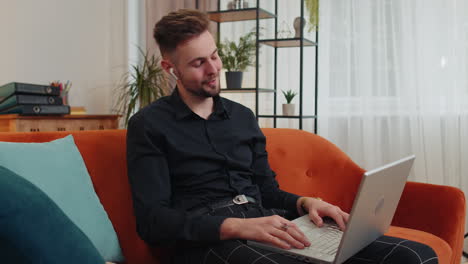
[[178, 161]]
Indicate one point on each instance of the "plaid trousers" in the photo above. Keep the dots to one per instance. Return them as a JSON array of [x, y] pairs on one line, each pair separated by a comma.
[[384, 250]]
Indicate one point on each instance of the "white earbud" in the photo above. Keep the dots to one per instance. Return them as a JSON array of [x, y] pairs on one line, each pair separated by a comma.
[[171, 71]]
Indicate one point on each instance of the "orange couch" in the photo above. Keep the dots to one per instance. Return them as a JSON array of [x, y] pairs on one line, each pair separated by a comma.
[[305, 163]]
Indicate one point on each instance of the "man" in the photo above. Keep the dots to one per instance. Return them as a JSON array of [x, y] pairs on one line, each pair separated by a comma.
[[199, 170]]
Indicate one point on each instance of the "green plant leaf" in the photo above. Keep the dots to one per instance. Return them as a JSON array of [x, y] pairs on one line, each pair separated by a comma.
[[289, 95], [312, 7], [145, 83], [238, 56]]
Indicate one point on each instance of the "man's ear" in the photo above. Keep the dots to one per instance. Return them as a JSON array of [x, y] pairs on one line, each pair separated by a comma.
[[169, 68], [166, 65]]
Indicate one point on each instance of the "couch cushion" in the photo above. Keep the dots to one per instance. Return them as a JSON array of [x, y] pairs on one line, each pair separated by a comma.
[[50, 238], [441, 248], [58, 169]]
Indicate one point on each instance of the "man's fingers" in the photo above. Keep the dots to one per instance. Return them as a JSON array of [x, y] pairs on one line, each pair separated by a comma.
[[340, 222], [345, 216], [293, 230], [287, 237], [275, 241], [340, 218], [315, 218], [297, 234]]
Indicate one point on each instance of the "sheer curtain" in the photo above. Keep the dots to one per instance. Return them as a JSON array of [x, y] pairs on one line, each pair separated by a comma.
[[394, 81]]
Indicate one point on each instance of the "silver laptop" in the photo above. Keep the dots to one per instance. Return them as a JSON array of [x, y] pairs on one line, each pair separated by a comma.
[[373, 209]]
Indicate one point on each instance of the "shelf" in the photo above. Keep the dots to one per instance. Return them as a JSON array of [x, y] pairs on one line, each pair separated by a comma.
[[247, 90], [266, 96], [19, 123], [283, 116], [239, 14], [287, 43]]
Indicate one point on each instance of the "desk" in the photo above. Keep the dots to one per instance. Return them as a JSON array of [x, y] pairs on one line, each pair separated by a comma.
[[18, 123]]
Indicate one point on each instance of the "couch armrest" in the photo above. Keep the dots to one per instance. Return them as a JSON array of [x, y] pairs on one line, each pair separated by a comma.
[[436, 209]]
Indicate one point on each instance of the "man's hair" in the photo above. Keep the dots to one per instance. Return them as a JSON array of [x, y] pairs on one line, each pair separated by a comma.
[[178, 27]]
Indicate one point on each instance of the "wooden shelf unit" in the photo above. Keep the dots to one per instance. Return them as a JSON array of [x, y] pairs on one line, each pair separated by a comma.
[[247, 90], [287, 43], [239, 15], [256, 14], [19, 123]]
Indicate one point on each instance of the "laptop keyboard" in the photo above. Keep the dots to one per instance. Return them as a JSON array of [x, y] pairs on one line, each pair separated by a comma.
[[324, 240]]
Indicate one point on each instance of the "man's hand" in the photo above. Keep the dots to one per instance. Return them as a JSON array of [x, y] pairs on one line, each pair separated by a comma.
[[274, 230], [317, 209]]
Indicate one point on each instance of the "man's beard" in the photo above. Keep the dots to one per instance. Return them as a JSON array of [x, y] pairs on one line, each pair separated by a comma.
[[204, 89]]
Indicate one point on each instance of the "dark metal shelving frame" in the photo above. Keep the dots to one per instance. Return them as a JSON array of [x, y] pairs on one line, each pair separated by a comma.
[[257, 13], [248, 90]]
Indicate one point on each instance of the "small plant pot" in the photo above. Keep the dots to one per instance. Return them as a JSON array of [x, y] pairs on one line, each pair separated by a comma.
[[289, 109], [234, 80]]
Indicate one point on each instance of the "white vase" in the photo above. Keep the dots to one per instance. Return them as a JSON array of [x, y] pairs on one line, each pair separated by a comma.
[[289, 109]]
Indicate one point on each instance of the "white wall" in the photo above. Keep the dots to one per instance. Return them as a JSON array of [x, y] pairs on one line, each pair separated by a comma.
[[82, 41]]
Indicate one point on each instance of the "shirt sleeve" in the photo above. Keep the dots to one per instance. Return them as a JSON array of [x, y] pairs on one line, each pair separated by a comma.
[[156, 221], [265, 177]]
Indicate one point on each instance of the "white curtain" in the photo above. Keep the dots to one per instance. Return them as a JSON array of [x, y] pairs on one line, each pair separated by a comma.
[[394, 81]]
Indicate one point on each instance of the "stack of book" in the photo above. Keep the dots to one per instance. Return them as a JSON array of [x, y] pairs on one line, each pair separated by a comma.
[[31, 99]]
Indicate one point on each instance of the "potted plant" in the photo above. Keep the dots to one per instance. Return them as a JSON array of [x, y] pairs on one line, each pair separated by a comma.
[[236, 57], [145, 83], [288, 107], [312, 7]]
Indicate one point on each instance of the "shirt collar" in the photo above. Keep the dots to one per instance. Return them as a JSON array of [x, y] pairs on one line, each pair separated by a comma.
[[182, 110]]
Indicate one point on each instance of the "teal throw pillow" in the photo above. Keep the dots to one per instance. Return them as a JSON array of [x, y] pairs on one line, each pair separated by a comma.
[[33, 229], [58, 169]]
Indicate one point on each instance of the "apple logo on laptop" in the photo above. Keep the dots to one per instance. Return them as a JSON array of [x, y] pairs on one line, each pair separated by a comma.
[[379, 205]]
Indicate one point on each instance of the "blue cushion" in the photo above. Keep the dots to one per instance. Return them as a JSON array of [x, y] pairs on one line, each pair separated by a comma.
[[33, 229], [58, 169]]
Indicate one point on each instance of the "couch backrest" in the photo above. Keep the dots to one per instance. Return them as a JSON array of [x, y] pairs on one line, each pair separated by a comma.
[[305, 164], [104, 153], [309, 165]]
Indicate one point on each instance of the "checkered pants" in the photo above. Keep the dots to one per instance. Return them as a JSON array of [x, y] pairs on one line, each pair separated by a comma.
[[383, 250]]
